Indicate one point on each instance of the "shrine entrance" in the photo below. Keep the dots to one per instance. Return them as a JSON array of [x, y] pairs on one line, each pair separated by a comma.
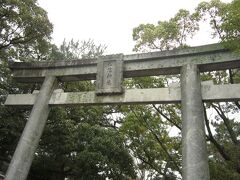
[[109, 71]]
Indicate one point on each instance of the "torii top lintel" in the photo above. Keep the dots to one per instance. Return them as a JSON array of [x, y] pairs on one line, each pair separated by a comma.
[[208, 58]]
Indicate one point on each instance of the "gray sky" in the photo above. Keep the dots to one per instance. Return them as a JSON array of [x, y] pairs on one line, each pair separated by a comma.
[[111, 22]]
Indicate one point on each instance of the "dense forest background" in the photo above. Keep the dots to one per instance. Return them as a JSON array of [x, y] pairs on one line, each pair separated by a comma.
[[117, 142]]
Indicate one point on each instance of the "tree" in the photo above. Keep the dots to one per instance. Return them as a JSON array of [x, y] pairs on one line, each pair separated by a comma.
[[77, 143], [147, 136], [224, 20], [231, 26], [223, 144], [224, 23], [81, 142], [25, 29], [146, 130], [84, 49], [24, 35], [163, 157], [166, 35]]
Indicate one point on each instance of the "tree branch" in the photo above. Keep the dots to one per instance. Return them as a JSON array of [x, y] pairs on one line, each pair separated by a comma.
[[227, 123], [19, 40], [167, 118], [148, 163], [159, 141], [161, 113], [220, 148]]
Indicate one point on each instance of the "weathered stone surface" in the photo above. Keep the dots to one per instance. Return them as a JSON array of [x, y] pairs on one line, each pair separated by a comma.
[[210, 92], [109, 75], [23, 156], [203, 58], [194, 151], [208, 57]]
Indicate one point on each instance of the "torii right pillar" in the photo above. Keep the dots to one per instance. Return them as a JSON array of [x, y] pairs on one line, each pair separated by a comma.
[[194, 151]]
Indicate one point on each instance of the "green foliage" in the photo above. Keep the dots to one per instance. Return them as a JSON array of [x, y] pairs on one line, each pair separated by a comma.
[[84, 49], [146, 133], [92, 142], [24, 35], [166, 35], [78, 143], [224, 20], [213, 13], [222, 17], [223, 128], [25, 30], [222, 171], [81, 142], [106, 152], [148, 138], [80, 151], [231, 26]]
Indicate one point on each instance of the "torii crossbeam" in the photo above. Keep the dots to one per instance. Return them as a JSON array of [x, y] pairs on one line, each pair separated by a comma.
[[109, 72]]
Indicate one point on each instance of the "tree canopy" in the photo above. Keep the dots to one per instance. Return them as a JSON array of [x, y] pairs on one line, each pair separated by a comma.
[[117, 142], [222, 128], [78, 143], [81, 142], [24, 35], [25, 30]]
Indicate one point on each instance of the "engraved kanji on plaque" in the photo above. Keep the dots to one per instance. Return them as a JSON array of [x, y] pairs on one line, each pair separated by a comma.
[[109, 75]]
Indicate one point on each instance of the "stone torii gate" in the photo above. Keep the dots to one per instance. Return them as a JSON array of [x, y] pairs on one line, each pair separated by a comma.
[[109, 72]]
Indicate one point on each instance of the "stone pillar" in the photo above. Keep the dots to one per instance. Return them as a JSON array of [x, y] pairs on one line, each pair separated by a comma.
[[27, 145], [194, 151]]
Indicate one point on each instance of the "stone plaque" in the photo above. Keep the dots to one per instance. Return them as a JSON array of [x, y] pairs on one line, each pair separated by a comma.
[[109, 75]]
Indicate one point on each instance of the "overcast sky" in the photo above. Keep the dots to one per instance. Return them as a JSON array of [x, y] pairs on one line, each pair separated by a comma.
[[111, 22]]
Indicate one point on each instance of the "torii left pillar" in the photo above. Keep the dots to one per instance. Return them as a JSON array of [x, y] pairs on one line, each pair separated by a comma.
[[24, 153]]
